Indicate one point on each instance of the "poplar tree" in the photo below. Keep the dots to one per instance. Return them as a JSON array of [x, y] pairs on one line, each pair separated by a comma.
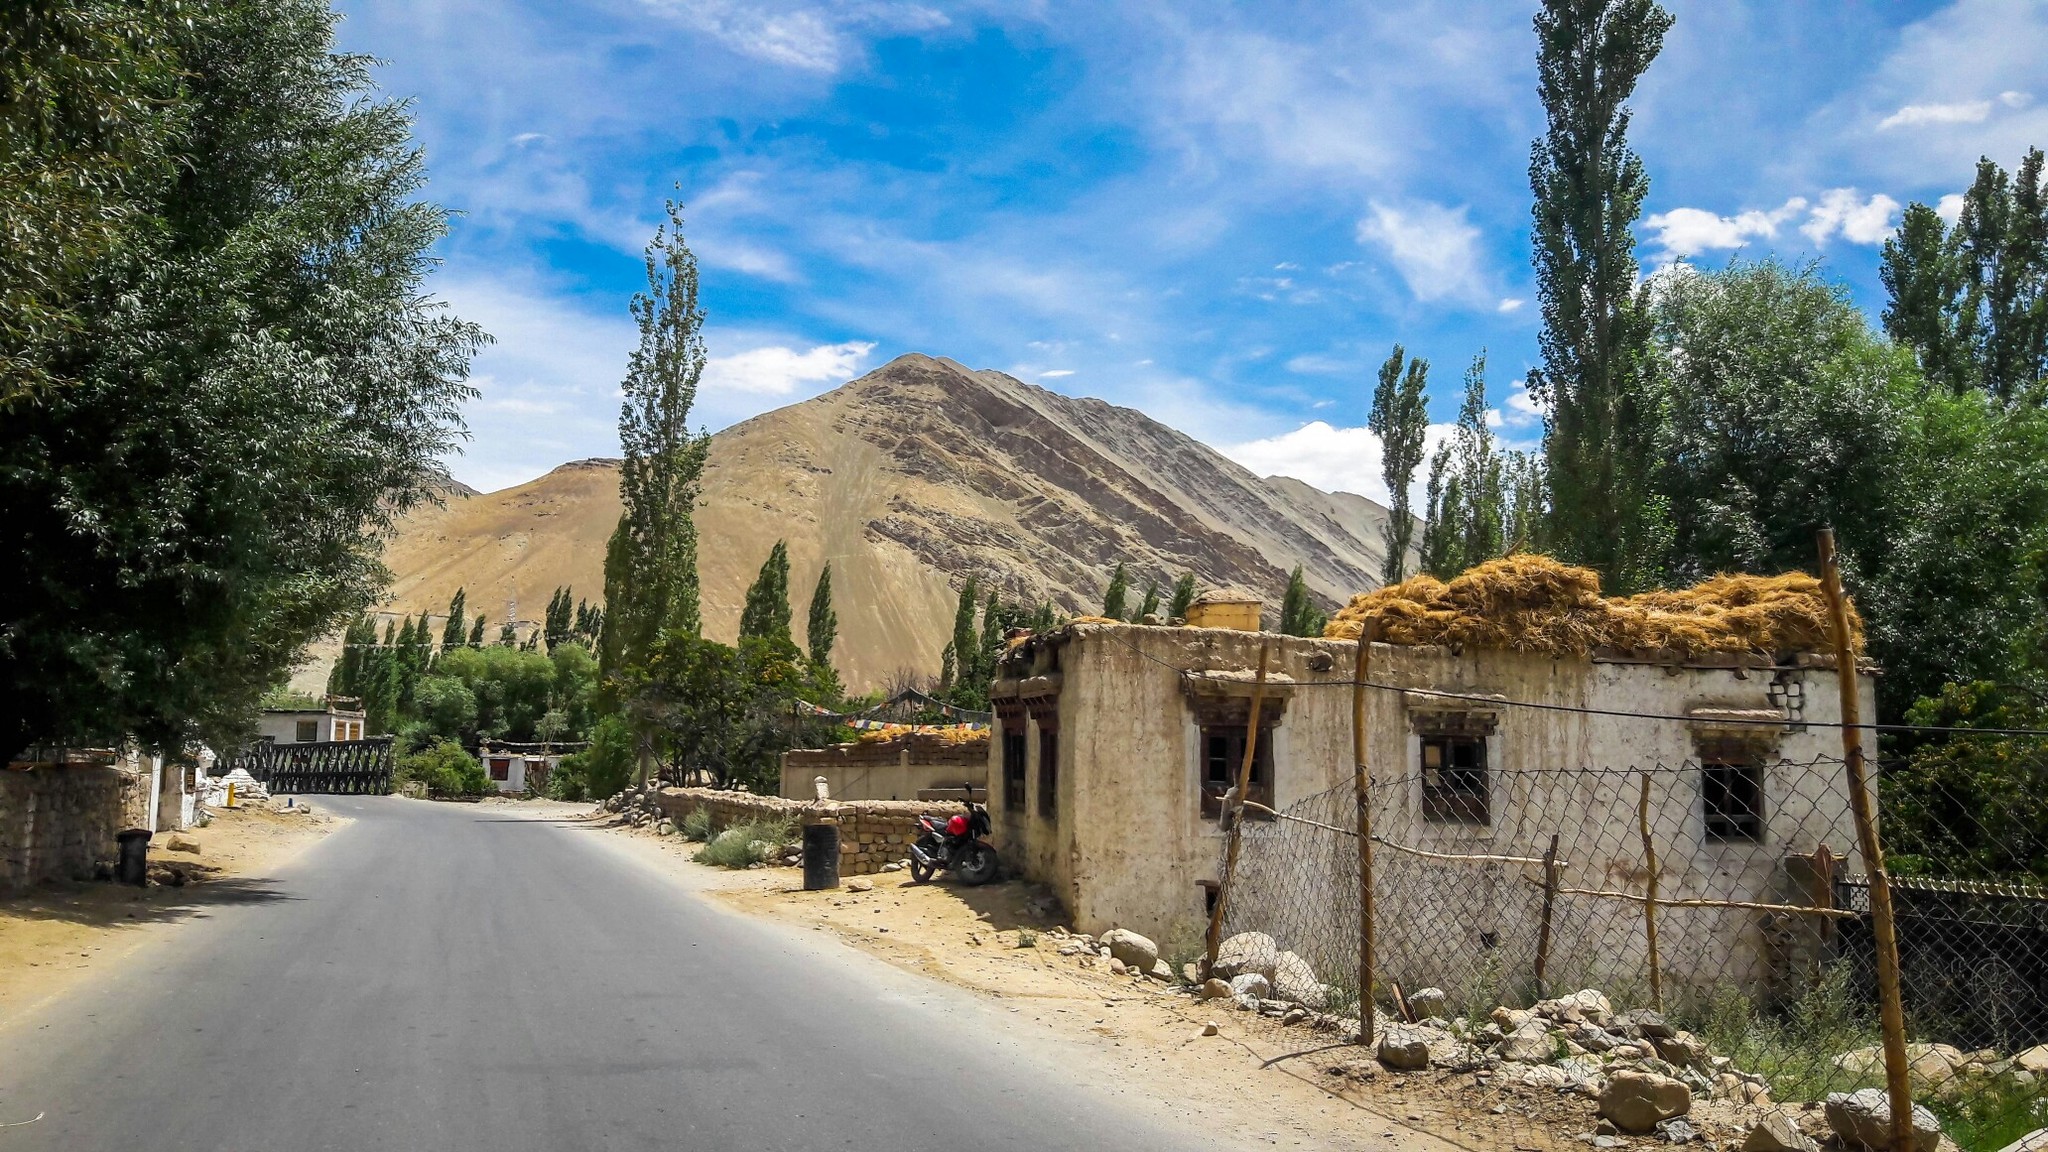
[[560, 618], [1589, 188], [1299, 615], [476, 633], [822, 629], [1149, 606], [651, 561], [1183, 597], [1119, 591], [766, 615], [452, 631], [1480, 476], [1972, 301], [1400, 418]]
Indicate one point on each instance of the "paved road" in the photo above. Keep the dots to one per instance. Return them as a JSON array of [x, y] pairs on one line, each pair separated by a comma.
[[455, 977]]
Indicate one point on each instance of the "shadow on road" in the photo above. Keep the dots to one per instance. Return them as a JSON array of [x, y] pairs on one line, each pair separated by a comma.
[[109, 905]]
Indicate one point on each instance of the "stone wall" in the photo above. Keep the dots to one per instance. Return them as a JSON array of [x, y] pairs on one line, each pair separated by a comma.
[[894, 769], [57, 822], [871, 832]]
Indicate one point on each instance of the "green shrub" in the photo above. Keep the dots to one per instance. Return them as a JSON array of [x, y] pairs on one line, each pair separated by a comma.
[[696, 825], [446, 768], [1026, 938], [744, 844], [600, 770]]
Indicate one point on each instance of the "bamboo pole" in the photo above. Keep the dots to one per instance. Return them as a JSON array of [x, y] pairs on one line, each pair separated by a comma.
[[1457, 857], [1543, 929], [1368, 631], [1891, 1008], [1650, 900], [1214, 939], [1750, 905]]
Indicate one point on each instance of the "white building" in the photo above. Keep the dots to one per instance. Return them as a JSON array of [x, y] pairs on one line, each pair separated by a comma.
[[340, 719], [1115, 744]]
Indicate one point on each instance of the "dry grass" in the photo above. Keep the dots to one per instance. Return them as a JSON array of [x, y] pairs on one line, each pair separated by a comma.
[[1529, 603], [950, 737]]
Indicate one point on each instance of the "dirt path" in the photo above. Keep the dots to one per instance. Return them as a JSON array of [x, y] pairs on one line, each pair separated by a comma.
[[55, 936], [1309, 1089]]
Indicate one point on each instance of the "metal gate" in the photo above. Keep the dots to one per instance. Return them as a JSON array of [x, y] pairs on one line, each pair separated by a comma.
[[331, 767], [1973, 958]]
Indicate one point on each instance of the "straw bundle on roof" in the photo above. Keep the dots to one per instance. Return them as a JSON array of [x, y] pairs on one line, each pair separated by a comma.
[[948, 736], [1527, 603]]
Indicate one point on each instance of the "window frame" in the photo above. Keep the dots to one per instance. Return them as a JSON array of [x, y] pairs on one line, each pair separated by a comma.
[[1443, 803], [1211, 789], [306, 732], [1751, 770], [1016, 753], [1048, 772]]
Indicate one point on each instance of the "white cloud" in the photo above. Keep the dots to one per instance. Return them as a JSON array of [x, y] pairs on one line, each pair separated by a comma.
[[1522, 408], [1055, 373], [1434, 248], [811, 38], [2015, 99], [1509, 304], [780, 371], [1690, 231], [1950, 207], [1331, 458], [1914, 115], [1858, 220]]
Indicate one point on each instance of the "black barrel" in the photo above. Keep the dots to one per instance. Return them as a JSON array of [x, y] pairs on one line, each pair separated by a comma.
[[821, 855], [133, 867]]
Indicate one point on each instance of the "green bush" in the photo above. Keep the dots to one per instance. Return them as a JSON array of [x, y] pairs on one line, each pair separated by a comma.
[[600, 770], [445, 768], [744, 844], [696, 825]]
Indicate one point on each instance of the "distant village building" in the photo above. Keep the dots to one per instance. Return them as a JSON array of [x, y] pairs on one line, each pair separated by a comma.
[[523, 767], [1115, 745], [341, 718]]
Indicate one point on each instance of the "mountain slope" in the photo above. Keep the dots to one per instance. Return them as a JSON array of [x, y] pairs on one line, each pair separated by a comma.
[[909, 480]]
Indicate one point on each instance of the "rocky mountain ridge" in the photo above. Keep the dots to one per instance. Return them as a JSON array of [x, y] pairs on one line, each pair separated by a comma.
[[910, 480]]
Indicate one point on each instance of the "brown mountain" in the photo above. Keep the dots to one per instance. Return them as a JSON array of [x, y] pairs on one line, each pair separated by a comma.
[[909, 480]]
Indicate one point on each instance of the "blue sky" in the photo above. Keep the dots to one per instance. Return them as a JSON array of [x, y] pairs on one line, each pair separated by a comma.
[[1221, 214]]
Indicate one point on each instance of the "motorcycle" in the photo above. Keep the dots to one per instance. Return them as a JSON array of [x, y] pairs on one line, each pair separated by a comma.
[[956, 845]]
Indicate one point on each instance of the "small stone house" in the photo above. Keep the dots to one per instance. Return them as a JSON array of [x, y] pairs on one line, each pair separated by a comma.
[[1115, 743], [516, 768]]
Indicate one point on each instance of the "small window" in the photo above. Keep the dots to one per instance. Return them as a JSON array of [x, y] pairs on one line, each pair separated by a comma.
[[1049, 773], [309, 731], [1223, 758], [1454, 781], [1732, 798], [1013, 770], [501, 768]]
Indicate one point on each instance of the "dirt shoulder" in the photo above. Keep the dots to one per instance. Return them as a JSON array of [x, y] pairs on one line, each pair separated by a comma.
[[1299, 1086], [56, 935]]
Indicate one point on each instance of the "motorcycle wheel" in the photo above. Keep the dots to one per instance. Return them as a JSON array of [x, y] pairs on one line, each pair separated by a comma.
[[979, 867], [920, 873]]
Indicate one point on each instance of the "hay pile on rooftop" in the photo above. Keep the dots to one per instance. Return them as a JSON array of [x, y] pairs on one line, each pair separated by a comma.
[[950, 736], [1528, 603]]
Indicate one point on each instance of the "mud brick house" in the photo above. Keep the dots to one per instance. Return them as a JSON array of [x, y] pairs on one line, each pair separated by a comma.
[[1114, 745]]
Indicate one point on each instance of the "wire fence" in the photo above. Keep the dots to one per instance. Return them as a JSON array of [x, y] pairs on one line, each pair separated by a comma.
[[1538, 932]]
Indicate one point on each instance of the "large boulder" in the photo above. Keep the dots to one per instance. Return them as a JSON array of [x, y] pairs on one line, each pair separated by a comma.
[[1295, 979], [1776, 1131], [1586, 1006], [1215, 989], [2034, 1060], [1639, 1101], [1864, 1120], [1134, 950], [1682, 1049], [1429, 1002], [1404, 1048], [1530, 1044], [1250, 986], [1245, 952]]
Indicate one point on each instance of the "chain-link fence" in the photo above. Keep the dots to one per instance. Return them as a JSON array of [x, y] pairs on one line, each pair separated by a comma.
[[1549, 935]]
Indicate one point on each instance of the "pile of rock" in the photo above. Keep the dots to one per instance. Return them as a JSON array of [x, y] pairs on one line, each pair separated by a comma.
[[1944, 1070], [1257, 969], [1123, 952]]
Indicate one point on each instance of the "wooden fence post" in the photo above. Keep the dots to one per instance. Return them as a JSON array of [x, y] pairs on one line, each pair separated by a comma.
[[1543, 927], [1650, 894], [1368, 631], [1236, 816], [1891, 1007]]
